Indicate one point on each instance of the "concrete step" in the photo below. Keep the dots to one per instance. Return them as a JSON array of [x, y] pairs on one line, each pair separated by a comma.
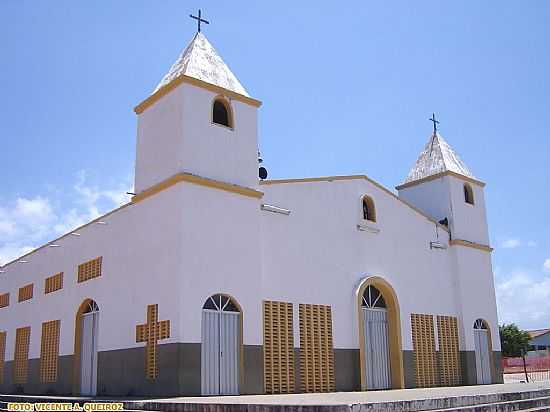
[[540, 403], [458, 403], [470, 399]]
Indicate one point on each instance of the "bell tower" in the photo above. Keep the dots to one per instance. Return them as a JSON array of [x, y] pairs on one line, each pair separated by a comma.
[[441, 185], [199, 120]]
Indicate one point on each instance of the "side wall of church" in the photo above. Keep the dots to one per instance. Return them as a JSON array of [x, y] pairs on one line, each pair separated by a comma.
[[140, 267]]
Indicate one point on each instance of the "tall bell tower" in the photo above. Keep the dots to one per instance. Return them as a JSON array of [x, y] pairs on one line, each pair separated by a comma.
[[441, 185], [199, 120]]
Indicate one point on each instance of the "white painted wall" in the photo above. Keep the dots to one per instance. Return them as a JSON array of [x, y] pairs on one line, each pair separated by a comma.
[[317, 255], [176, 134], [444, 197], [140, 266]]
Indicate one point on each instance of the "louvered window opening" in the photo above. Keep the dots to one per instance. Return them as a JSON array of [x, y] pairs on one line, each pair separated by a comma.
[[278, 347], [424, 350], [49, 351], [316, 349]]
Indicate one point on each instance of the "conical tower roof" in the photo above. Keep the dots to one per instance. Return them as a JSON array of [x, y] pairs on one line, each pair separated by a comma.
[[201, 61], [437, 157]]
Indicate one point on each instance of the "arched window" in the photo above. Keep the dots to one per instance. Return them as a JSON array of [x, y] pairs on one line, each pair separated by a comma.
[[369, 212], [221, 113], [90, 307], [468, 194], [480, 324], [372, 298], [221, 303]]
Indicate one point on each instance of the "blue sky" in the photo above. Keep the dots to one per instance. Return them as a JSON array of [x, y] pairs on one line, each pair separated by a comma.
[[347, 88]]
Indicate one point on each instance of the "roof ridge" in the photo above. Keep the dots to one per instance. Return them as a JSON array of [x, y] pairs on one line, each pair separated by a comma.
[[201, 61], [437, 157]]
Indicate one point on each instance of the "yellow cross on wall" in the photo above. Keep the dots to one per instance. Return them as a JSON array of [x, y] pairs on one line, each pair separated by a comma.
[[151, 332]]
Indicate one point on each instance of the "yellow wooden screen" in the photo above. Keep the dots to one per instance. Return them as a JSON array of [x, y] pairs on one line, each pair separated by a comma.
[[49, 351], [316, 350], [89, 270], [21, 357], [278, 347], [4, 300], [150, 333], [2, 355], [53, 283], [447, 332], [424, 350], [25, 293]]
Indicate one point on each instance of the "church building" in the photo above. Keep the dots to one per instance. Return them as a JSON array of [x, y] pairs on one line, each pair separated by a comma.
[[212, 281]]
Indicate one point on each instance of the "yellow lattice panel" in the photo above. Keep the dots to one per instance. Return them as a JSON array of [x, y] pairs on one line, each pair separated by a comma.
[[53, 283], [4, 300], [449, 356], [150, 333], [89, 270], [278, 347], [424, 350], [316, 349], [2, 355], [25, 293], [21, 356], [49, 351]]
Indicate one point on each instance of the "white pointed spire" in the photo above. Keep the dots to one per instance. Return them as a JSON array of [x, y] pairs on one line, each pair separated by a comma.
[[437, 157], [201, 61]]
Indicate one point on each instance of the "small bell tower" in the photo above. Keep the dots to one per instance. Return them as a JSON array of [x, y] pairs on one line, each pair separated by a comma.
[[441, 185], [199, 120]]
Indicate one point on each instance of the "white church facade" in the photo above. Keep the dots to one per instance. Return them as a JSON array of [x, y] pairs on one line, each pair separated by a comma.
[[212, 281]]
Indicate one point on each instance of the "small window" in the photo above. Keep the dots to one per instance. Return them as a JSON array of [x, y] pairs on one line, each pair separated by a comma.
[[221, 113], [369, 213], [468, 194]]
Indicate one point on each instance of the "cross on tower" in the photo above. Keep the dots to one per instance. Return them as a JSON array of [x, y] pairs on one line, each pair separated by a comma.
[[151, 332], [435, 122], [199, 20]]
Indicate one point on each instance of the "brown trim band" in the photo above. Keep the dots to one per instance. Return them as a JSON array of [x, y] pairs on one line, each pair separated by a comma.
[[195, 82], [437, 176], [198, 180], [473, 245]]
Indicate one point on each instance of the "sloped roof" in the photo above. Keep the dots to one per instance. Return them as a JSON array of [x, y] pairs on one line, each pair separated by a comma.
[[437, 157], [201, 61], [537, 332]]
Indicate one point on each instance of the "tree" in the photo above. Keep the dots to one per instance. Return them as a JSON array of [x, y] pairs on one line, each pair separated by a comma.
[[513, 340]]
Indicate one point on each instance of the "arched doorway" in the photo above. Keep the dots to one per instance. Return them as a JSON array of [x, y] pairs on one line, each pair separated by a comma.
[[221, 346], [86, 339], [377, 350], [482, 344], [379, 335]]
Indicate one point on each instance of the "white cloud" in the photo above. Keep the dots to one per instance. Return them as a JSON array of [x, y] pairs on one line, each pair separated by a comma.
[[546, 265], [523, 297], [29, 222], [510, 243]]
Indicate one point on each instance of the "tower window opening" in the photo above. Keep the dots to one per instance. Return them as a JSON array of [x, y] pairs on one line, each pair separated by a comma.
[[369, 212], [221, 113], [468, 194]]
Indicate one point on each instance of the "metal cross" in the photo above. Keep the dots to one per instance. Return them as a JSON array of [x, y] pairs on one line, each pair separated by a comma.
[[199, 20], [435, 122]]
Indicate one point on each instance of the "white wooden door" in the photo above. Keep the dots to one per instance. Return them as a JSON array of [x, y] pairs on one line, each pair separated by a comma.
[[377, 356], [220, 352], [483, 360], [229, 353], [88, 353]]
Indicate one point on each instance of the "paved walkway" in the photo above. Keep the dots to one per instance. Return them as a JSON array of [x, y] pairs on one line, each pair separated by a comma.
[[336, 398], [348, 398]]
